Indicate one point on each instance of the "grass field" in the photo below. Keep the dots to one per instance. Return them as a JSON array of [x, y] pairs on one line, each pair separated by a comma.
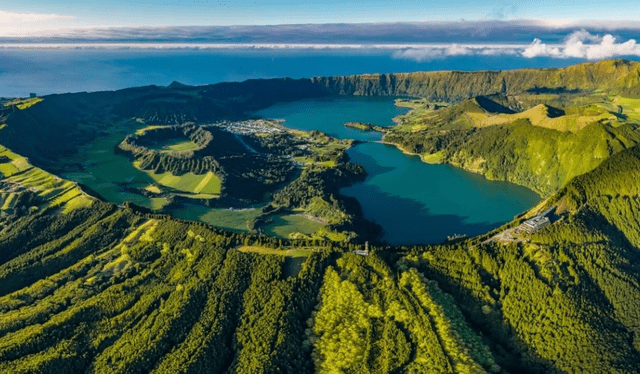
[[153, 189], [23, 104], [158, 203], [285, 226], [8, 200], [106, 173], [280, 252], [326, 164], [235, 220], [630, 107], [173, 145], [207, 183], [178, 145]]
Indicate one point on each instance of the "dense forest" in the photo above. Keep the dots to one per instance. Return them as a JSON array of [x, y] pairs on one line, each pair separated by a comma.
[[105, 289], [89, 286]]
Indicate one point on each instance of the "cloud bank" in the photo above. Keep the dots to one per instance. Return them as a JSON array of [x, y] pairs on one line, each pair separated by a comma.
[[582, 44], [419, 41], [428, 53], [461, 32]]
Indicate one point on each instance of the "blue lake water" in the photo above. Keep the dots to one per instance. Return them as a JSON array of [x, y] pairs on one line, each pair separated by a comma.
[[413, 201]]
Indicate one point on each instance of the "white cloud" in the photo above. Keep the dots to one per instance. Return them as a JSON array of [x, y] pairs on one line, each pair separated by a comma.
[[430, 53], [22, 23], [433, 52], [28, 18], [582, 44], [538, 48], [498, 51]]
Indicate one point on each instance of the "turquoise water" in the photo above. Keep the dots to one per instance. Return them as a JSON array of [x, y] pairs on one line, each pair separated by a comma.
[[329, 115], [414, 202]]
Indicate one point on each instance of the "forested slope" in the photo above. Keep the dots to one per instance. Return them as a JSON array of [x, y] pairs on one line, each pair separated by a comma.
[[105, 289]]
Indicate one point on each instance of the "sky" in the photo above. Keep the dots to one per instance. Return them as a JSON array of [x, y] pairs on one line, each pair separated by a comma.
[[410, 29], [25, 16]]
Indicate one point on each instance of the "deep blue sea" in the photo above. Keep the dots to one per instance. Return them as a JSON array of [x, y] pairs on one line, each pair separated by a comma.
[[47, 71]]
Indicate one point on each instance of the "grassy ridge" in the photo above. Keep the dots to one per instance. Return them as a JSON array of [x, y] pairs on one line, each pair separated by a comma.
[[541, 148], [616, 77]]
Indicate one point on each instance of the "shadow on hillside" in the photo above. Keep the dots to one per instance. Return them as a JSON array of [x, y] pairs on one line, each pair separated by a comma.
[[552, 90], [496, 330]]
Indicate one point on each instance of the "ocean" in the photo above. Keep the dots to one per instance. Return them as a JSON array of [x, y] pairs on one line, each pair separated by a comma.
[[49, 71]]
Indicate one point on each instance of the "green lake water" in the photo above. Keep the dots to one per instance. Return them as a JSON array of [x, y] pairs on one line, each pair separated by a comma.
[[414, 202], [113, 176]]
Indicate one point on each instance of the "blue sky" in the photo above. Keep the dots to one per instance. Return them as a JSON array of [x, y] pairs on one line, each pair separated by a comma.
[[76, 13]]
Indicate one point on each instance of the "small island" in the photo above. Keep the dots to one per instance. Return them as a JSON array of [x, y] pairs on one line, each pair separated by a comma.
[[363, 126]]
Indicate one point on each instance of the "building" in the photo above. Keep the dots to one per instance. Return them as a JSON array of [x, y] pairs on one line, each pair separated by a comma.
[[534, 224], [32, 95], [364, 252]]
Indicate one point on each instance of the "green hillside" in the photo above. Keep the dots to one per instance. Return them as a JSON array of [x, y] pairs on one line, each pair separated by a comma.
[[615, 77], [90, 286], [542, 147]]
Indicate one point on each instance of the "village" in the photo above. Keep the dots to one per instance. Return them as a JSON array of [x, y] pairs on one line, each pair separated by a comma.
[[250, 127]]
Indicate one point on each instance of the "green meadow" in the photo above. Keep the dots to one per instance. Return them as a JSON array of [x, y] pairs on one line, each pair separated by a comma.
[[207, 183], [175, 145], [285, 226], [231, 219], [295, 253]]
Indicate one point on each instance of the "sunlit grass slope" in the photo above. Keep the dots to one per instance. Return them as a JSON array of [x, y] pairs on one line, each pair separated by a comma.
[[23, 104], [207, 183], [542, 147], [19, 177]]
